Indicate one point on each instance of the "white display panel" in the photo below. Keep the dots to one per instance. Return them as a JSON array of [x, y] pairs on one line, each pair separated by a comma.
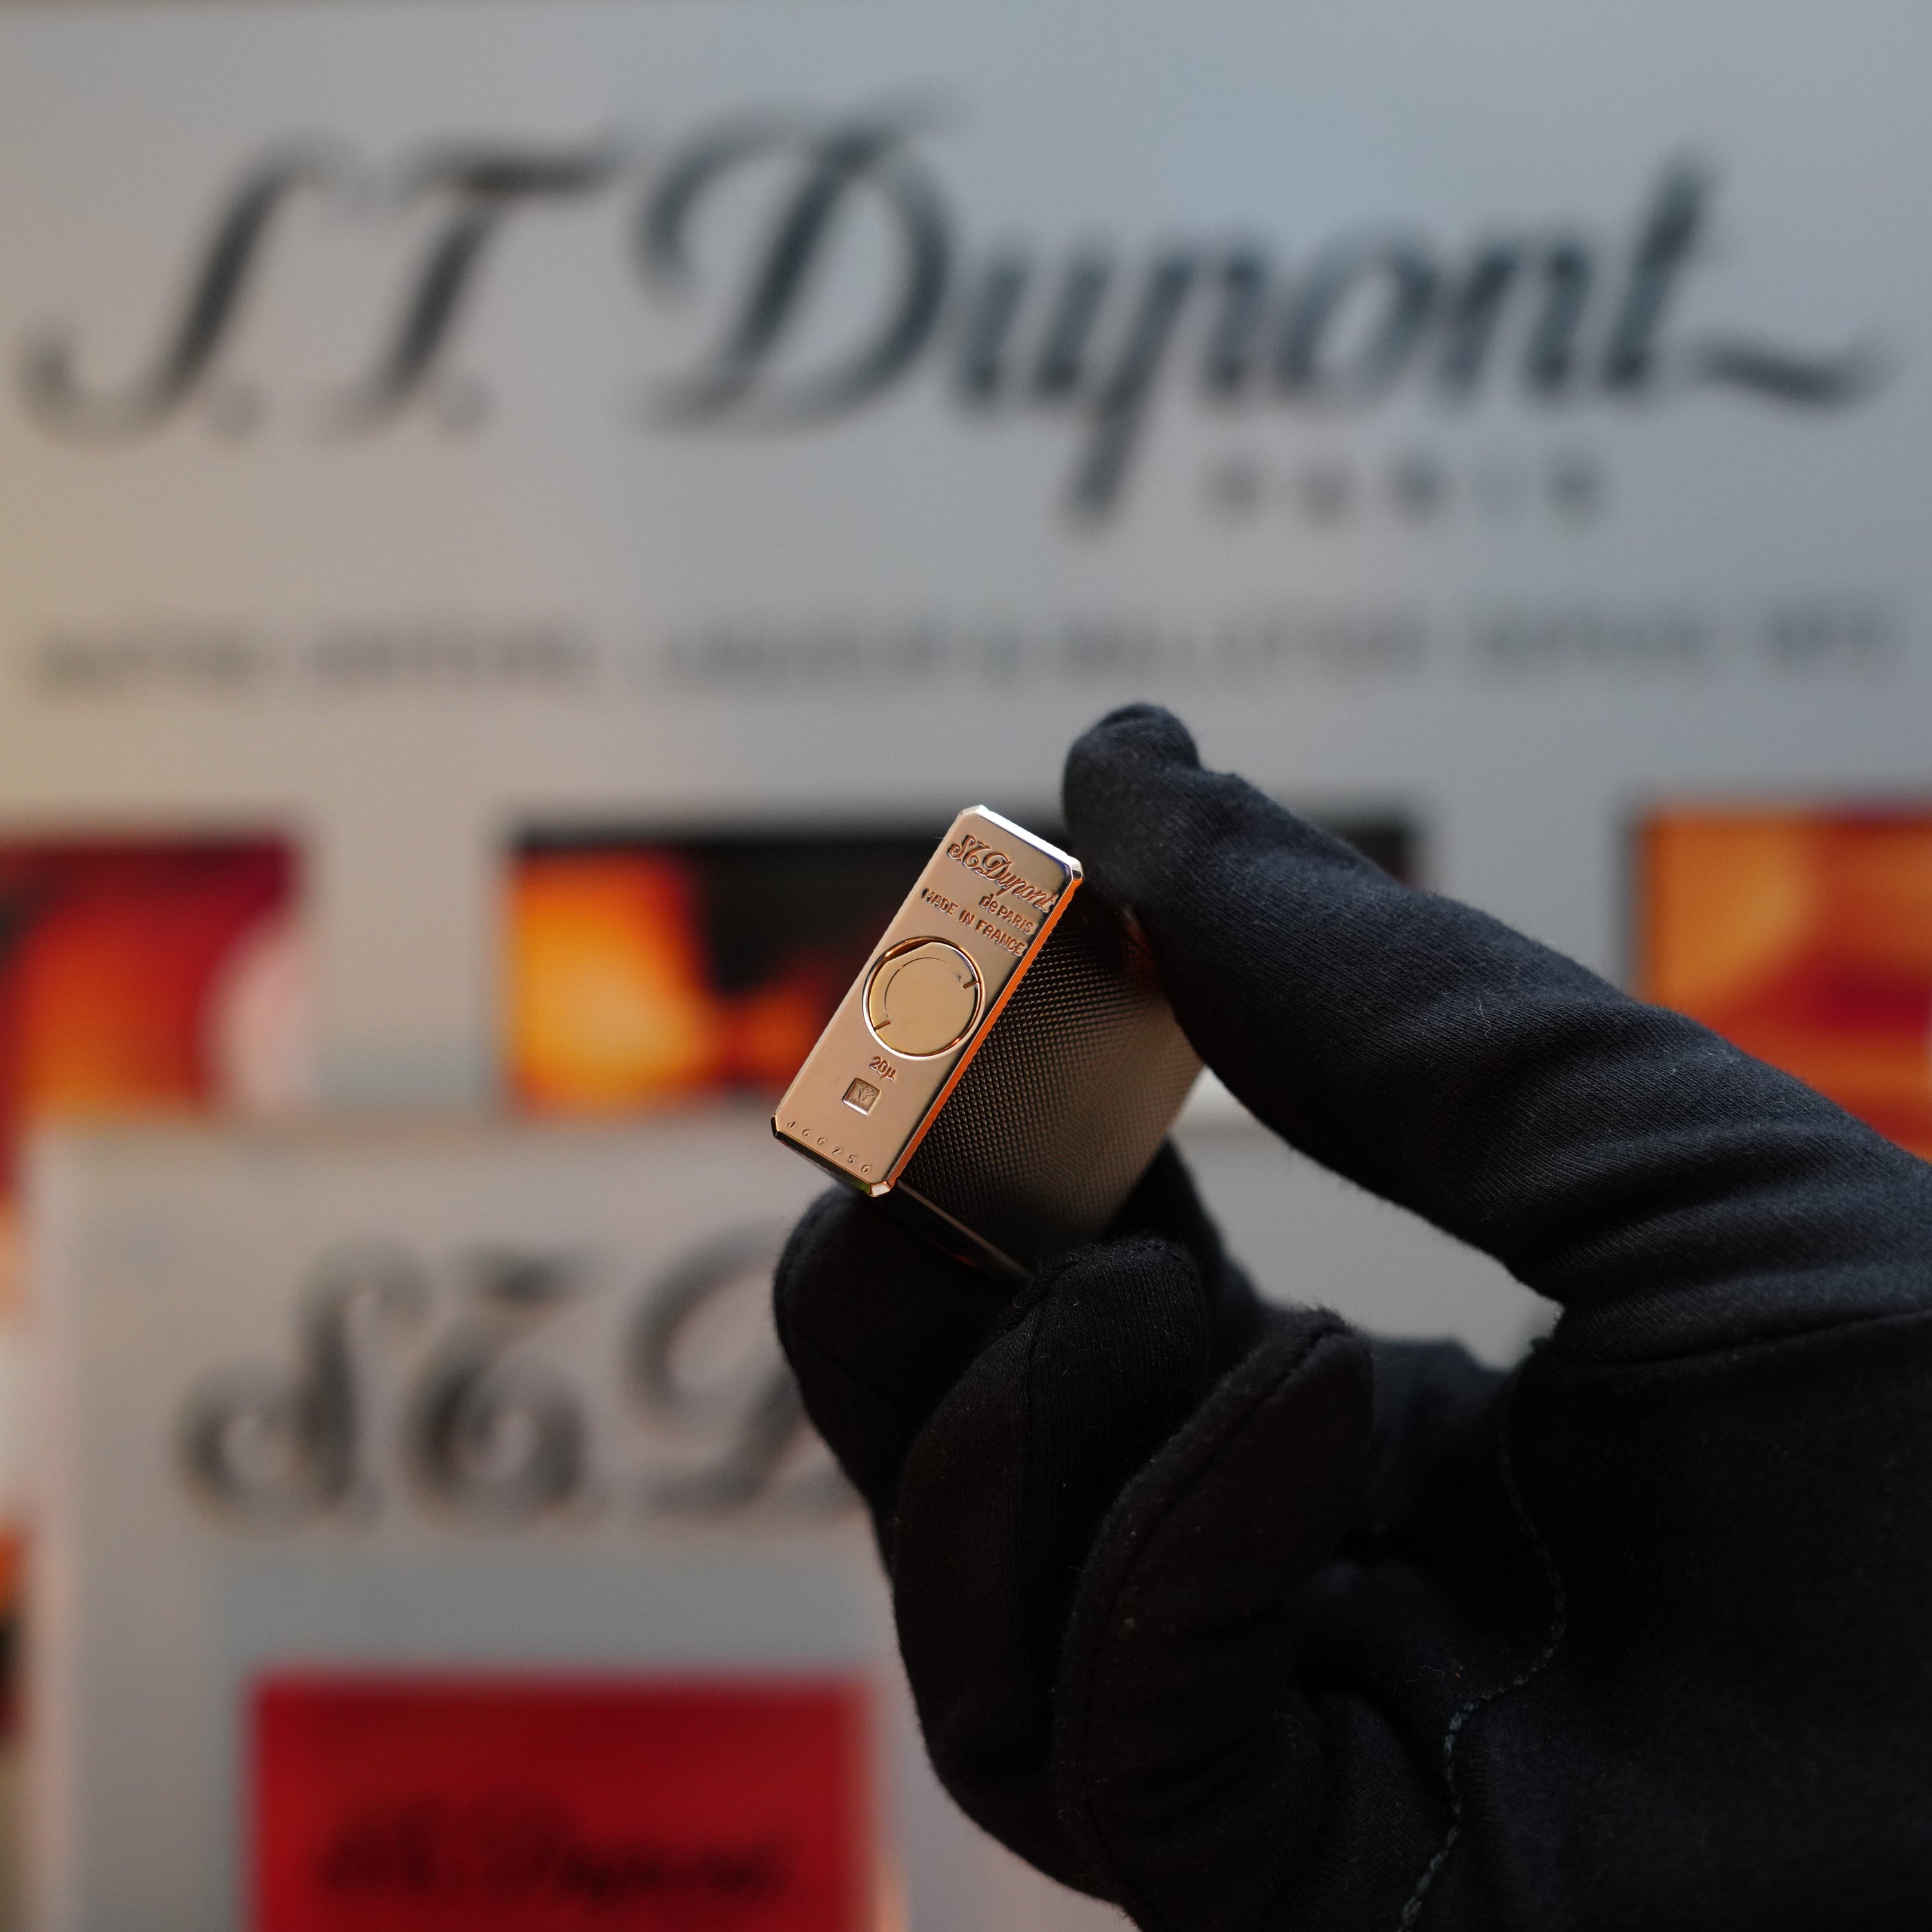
[[1533, 420], [423, 1401]]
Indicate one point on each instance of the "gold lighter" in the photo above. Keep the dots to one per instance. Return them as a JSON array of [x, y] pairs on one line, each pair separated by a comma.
[[1007, 1065]]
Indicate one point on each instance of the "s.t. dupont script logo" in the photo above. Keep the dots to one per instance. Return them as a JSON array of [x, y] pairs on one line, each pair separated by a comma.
[[1088, 333], [427, 1379], [977, 857]]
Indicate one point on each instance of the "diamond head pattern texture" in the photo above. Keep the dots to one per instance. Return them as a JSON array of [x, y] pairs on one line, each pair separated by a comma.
[[1067, 1099]]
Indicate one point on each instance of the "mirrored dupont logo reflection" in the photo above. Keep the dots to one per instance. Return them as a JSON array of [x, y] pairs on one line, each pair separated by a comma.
[[853, 217]]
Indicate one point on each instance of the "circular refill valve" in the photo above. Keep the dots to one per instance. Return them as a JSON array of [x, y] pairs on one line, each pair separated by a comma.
[[922, 998]]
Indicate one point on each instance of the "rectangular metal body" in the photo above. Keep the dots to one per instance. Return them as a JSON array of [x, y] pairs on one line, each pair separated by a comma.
[[1007, 1065]]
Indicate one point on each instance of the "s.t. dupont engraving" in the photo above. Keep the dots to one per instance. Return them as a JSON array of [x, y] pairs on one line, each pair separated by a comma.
[[976, 856], [1030, 1067]]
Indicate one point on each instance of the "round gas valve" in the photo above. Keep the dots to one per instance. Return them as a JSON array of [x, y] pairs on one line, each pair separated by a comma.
[[922, 998]]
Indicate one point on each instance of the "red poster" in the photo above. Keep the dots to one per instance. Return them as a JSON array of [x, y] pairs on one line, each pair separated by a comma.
[[514, 1804], [1806, 937]]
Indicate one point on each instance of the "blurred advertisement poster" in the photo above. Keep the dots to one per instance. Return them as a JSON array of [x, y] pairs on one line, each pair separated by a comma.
[[434, 1804], [137, 976], [643, 968], [1805, 936], [688, 416], [147, 975], [442, 1470]]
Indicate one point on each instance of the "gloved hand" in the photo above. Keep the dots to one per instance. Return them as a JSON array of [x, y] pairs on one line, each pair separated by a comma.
[[1234, 1617]]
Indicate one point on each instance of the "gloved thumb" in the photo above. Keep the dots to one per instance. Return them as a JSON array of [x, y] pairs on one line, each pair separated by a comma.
[[1106, 1358], [1183, 1743]]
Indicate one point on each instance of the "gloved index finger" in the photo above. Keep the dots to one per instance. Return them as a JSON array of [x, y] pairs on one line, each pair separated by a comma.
[[1671, 1191]]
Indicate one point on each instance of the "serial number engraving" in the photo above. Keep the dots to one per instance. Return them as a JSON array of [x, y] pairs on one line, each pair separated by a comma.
[[810, 1137]]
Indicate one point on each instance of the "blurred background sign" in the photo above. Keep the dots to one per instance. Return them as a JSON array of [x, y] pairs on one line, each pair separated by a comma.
[[1805, 936], [431, 1526], [426, 428], [476, 1805], [517, 524]]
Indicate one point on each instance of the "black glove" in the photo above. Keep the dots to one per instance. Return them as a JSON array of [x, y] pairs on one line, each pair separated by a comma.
[[1225, 1614]]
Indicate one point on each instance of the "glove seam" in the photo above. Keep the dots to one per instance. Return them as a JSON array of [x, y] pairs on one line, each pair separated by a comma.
[[1459, 1720]]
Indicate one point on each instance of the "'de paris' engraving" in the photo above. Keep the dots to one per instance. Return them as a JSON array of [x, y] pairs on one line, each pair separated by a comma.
[[1017, 921]]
